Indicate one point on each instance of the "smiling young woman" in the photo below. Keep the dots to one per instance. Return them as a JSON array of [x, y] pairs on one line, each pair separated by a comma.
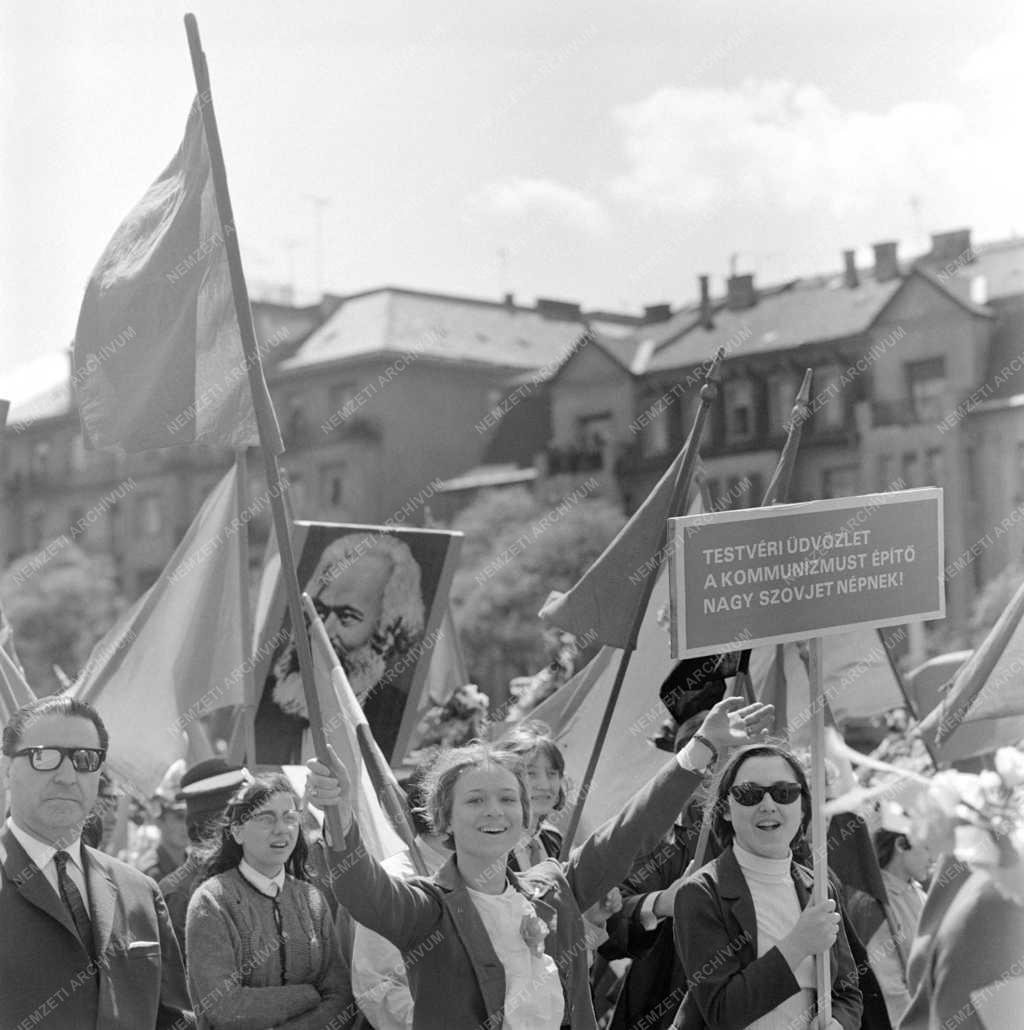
[[499, 947], [260, 942], [744, 920]]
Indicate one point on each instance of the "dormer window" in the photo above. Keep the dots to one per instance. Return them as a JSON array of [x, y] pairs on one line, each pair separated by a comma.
[[739, 410]]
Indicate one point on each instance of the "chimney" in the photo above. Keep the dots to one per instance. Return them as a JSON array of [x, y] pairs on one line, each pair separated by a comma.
[[565, 309], [510, 300], [887, 264], [951, 247], [705, 304], [741, 293], [850, 278], [657, 312]]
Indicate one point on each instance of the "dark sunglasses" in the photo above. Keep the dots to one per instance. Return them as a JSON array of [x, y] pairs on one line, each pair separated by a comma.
[[48, 758], [750, 794]]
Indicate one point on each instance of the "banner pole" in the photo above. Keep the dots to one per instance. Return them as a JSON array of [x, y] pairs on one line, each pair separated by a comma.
[[249, 700], [708, 393], [270, 435], [818, 830]]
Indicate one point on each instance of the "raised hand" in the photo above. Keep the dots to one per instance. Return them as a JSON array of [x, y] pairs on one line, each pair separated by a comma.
[[330, 786], [731, 723]]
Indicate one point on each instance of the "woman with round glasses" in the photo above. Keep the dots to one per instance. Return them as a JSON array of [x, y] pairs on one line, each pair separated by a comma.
[[745, 929], [260, 941]]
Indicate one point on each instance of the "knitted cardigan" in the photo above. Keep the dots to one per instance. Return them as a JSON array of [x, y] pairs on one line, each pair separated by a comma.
[[235, 957]]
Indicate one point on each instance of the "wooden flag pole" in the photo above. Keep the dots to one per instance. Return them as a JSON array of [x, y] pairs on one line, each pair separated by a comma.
[[270, 435], [818, 832], [249, 699], [384, 781], [708, 392]]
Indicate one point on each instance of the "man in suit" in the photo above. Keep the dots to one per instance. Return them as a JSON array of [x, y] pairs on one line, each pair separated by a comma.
[[87, 943]]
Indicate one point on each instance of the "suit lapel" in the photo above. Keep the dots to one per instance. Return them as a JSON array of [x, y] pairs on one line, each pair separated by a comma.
[[736, 894], [102, 899], [31, 883], [487, 967]]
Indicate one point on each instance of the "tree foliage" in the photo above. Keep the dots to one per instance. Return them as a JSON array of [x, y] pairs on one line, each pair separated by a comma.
[[59, 606], [516, 551]]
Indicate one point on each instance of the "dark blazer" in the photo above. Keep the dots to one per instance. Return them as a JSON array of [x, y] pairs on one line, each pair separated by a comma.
[[46, 977], [456, 979], [716, 935]]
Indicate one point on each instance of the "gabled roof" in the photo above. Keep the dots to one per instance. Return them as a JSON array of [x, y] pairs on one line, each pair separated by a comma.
[[391, 320], [1000, 263]]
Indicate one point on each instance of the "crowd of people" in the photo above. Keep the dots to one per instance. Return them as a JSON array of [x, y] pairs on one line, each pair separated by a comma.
[[245, 912]]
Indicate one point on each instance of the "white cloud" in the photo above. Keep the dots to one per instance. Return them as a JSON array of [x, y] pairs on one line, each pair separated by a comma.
[[520, 198]]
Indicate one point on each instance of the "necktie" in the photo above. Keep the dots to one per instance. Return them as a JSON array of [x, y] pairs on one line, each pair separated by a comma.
[[74, 901]]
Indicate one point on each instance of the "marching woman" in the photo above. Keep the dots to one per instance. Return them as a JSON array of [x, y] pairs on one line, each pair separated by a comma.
[[488, 948], [745, 931], [261, 947]]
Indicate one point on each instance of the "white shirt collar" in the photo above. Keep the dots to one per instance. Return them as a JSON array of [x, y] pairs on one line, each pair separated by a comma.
[[42, 853], [260, 882]]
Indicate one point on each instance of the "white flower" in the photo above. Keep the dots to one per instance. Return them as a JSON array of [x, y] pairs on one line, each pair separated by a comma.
[[1010, 766]]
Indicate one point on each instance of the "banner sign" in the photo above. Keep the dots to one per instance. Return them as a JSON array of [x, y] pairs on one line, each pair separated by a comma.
[[741, 579]]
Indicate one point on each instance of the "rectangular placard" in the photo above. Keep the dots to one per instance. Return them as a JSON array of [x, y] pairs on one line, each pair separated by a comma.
[[741, 579]]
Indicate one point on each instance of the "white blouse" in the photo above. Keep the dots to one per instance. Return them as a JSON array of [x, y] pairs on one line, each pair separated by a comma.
[[533, 992]]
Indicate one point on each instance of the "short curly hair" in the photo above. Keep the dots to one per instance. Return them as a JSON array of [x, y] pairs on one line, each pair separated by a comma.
[[439, 782]]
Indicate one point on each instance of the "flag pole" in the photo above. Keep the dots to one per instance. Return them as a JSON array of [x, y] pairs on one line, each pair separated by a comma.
[[249, 700], [680, 489], [776, 493], [270, 435], [384, 781], [818, 833]]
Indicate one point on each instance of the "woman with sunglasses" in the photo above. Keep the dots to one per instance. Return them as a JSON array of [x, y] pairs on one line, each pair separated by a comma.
[[494, 948], [260, 942], [745, 930]]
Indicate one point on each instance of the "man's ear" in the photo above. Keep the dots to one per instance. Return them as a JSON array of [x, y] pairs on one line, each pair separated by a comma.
[[236, 833]]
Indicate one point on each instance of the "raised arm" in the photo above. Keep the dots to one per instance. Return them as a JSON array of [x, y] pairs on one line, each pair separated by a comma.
[[604, 859]]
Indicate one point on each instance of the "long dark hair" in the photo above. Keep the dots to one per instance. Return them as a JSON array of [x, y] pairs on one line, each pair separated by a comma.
[[225, 852], [718, 799]]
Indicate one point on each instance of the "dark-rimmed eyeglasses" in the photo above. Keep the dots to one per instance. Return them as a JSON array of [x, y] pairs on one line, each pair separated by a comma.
[[750, 794], [46, 758]]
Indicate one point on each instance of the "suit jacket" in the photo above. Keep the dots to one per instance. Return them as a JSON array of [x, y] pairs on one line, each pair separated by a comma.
[[970, 936], [46, 976], [716, 934], [456, 978]]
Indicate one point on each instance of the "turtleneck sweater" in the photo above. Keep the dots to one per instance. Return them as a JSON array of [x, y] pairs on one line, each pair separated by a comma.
[[777, 909]]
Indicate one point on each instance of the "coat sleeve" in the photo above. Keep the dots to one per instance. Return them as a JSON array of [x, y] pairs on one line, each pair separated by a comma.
[[603, 860], [174, 1008], [727, 993], [651, 874], [216, 980], [401, 911], [847, 1002]]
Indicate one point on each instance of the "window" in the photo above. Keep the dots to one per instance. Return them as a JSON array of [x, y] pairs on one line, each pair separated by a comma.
[[40, 457], [911, 473], [296, 426], [739, 410], [36, 528], [926, 381], [339, 396], [734, 492], [888, 471], [296, 488], [654, 439], [78, 453], [755, 490], [714, 492], [149, 516], [781, 395], [840, 481], [827, 401], [935, 467], [332, 484]]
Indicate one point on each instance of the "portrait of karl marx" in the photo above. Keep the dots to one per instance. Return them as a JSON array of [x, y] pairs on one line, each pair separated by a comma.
[[367, 590]]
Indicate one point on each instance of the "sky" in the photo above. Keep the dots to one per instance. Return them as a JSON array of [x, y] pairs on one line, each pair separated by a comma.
[[605, 154]]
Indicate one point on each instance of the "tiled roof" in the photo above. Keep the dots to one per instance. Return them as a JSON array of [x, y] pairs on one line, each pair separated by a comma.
[[1001, 264], [392, 320], [796, 314]]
